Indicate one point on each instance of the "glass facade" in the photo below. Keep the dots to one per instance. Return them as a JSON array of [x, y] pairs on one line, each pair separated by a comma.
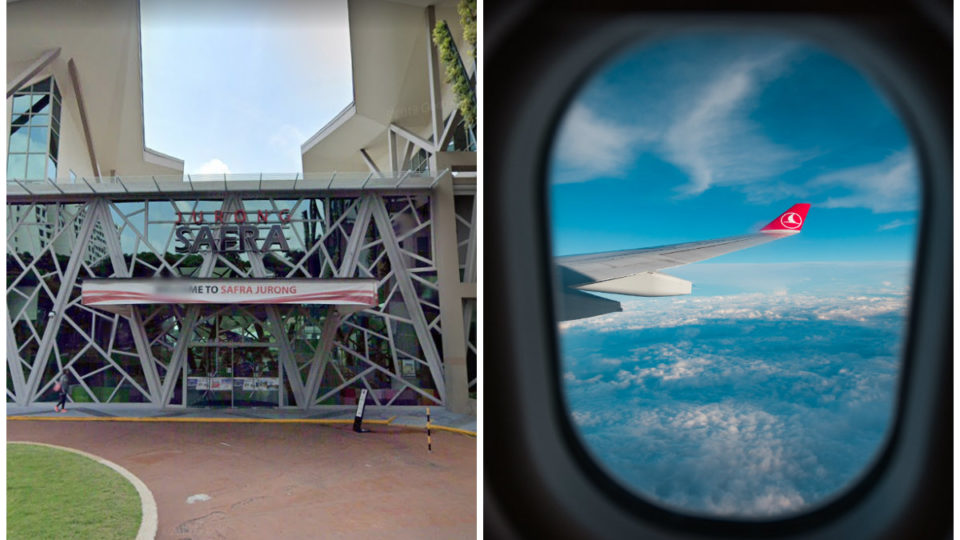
[[226, 355], [34, 147]]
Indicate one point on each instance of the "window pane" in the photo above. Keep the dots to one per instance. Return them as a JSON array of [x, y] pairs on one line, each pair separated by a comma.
[[51, 169], [18, 141], [21, 104], [38, 139], [35, 165], [40, 120], [56, 110], [18, 122], [54, 145], [41, 105], [42, 86], [16, 166], [769, 385]]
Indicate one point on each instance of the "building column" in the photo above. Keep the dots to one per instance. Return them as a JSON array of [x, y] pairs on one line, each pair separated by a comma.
[[447, 261]]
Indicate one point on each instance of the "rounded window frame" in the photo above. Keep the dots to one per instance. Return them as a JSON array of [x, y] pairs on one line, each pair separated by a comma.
[[537, 115]]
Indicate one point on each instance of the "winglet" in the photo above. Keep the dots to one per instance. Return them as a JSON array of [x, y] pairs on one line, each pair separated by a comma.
[[790, 221]]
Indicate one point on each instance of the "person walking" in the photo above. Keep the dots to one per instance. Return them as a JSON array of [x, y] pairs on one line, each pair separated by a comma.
[[63, 386]]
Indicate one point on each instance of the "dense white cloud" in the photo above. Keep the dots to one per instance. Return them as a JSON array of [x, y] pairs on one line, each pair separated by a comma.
[[214, 166], [772, 404], [691, 311]]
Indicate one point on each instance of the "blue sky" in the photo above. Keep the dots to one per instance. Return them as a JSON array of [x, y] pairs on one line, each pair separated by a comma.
[[703, 137], [771, 388], [239, 86]]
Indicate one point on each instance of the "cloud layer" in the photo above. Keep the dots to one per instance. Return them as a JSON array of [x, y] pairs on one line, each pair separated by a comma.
[[746, 405]]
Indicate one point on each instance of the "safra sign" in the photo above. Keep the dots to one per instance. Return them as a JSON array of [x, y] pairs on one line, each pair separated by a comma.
[[231, 231]]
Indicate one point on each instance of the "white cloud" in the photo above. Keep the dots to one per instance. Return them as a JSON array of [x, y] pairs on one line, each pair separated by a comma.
[[589, 146], [714, 141], [696, 311], [891, 185], [214, 166], [896, 224]]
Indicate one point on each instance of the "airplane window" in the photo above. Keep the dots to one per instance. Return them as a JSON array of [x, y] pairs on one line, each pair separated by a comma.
[[733, 221]]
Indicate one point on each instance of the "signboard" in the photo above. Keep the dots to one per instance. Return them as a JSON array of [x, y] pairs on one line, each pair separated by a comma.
[[218, 384], [104, 293], [225, 232]]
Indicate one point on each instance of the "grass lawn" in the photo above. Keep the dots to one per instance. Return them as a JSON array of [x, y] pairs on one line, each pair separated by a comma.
[[56, 494]]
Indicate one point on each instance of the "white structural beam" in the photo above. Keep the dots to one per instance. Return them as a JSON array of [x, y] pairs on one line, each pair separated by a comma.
[[179, 355], [75, 79], [349, 263], [447, 261], [334, 318], [433, 77], [413, 137], [120, 269], [452, 121], [60, 304], [408, 149], [372, 165], [322, 355], [147, 362], [392, 151], [470, 265], [31, 71], [13, 362], [409, 293]]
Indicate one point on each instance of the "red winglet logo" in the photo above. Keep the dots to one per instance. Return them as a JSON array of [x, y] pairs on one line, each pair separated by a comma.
[[791, 220]]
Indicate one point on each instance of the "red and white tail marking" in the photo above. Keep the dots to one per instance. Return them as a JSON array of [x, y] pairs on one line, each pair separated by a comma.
[[790, 221]]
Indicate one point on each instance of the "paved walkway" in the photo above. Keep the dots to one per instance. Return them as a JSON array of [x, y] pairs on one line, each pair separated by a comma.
[[280, 480], [402, 416]]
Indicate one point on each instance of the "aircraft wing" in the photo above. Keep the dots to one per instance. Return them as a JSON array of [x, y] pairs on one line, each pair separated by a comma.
[[636, 271]]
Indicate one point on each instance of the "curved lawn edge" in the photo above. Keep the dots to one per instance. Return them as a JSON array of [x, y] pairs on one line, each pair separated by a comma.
[[148, 506]]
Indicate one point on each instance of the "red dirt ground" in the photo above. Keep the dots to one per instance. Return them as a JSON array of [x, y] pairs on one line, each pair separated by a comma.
[[286, 480]]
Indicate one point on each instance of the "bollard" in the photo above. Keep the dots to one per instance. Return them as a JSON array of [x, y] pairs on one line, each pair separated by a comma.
[[429, 444], [358, 420]]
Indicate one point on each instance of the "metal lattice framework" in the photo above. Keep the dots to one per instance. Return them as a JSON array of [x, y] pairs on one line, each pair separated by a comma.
[[391, 349], [466, 216]]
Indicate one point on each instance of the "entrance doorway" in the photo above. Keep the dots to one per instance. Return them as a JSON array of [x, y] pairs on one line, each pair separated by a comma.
[[233, 375], [233, 360]]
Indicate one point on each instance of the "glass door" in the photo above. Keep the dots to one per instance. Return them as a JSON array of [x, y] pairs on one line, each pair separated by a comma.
[[210, 376], [256, 381]]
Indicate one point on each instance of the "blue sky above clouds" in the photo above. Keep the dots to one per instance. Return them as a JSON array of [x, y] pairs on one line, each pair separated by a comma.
[[772, 386], [702, 137]]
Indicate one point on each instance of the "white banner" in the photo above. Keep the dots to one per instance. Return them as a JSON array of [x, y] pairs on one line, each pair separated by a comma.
[[122, 292]]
